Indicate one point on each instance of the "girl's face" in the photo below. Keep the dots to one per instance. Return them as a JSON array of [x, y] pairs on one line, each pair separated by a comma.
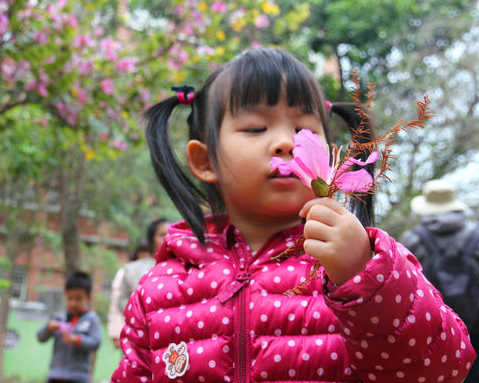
[[247, 142]]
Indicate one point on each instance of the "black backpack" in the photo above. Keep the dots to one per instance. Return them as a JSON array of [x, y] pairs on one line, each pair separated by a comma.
[[456, 276]]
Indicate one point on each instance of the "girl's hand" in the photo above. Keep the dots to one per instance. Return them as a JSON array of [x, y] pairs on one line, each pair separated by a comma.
[[336, 238]]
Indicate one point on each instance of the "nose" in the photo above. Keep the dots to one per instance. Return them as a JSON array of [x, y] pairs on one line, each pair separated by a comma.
[[283, 144]]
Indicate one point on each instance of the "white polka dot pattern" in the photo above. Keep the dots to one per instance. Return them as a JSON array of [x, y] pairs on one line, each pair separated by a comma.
[[384, 316]]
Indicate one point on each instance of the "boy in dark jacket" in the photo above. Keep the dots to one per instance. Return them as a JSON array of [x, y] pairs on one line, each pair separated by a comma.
[[77, 334]]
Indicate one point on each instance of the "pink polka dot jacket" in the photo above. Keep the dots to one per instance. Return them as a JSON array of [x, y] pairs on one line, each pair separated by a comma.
[[218, 314]]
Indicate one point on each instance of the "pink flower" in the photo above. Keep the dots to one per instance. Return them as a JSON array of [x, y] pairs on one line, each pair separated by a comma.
[[127, 64], [261, 21], [311, 163], [40, 38], [119, 144], [72, 21], [110, 48], [4, 23], [42, 90], [219, 6], [82, 41], [107, 85]]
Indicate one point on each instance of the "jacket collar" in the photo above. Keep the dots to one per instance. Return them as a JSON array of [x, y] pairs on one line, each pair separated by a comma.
[[181, 243]]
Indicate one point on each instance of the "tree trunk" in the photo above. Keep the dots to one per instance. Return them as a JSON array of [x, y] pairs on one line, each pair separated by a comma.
[[71, 190], [14, 228]]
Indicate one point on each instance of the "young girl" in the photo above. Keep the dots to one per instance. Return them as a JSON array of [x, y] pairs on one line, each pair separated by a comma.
[[215, 310]]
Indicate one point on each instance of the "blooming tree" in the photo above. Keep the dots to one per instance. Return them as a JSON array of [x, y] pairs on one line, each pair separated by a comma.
[[75, 77]]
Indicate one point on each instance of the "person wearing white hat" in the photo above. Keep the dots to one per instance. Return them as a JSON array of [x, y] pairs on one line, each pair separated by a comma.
[[443, 232]]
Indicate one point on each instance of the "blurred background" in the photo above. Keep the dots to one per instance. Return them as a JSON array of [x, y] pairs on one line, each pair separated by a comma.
[[76, 187]]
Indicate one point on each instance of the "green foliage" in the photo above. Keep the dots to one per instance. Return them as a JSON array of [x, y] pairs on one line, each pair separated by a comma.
[[4, 265], [101, 305]]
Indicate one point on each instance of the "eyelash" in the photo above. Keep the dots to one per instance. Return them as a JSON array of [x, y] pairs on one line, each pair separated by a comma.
[[255, 130], [261, 130]]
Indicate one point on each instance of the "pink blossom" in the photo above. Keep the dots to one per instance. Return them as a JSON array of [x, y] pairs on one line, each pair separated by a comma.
[[103, 136], [219, 6], [261, 21], [4, 23], [187, 29], [73, 22], [30, 86], [8, 66], [82, 41], [3, 6], [127, 64], [81, 95], [40, 38], [107, 85], [179, 10], [69, 114], [119, 144], [255, 45], [110, 48], [42, 90], [65, 327], [85, 67], [311, 161]]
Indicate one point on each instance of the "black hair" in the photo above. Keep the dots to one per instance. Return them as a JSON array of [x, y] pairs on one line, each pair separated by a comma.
[[151, 230], [361, 206], [254, 77], [142, 247], [79, 280]]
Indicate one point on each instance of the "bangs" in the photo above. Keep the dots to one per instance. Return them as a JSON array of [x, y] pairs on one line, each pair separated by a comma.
[[260, 76]]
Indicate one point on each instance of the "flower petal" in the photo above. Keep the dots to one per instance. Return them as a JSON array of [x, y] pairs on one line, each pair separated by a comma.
[[355, 181], [313, 153], [286, 168]]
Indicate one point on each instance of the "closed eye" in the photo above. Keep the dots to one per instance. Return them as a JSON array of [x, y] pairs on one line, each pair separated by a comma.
[[255, 130]]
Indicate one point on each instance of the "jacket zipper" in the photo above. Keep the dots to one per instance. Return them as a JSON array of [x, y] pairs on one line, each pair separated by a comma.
[[241, 335], [241, 320]]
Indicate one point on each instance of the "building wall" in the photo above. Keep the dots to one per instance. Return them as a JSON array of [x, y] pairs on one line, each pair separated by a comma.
[[39, 271]]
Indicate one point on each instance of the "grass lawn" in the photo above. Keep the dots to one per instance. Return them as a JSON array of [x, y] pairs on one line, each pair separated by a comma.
[[28, 362]]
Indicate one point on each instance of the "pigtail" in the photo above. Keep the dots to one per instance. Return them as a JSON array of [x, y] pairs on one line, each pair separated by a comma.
[[362, 206], [183, 192]]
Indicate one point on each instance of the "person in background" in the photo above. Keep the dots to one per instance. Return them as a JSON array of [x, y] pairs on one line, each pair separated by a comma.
[[214, 308], [133, 271], [77, 333], [115, 316], [156, 232], [120, 292], [443, 232]]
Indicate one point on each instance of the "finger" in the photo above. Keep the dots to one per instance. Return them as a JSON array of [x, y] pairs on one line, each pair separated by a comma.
[[324, 215], [315, 248], [325, 201], [317, 230]]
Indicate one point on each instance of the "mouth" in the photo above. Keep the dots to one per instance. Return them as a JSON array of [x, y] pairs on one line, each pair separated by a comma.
[[277, 174]]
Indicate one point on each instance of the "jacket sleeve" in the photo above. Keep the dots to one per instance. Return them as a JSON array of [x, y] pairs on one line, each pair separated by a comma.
[[91, 340], [115, 316], [135, 366], [44, 334], [394, 322], [125, 288]]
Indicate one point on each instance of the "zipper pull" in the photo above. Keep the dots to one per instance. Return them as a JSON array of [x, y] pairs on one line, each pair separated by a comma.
[[241, 280]]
